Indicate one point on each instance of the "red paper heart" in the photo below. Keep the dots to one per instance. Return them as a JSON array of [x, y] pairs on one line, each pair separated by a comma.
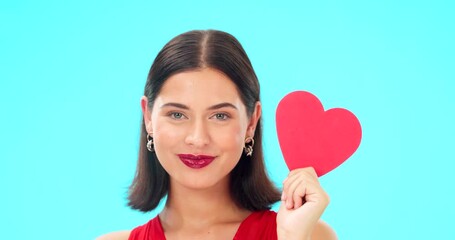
[[310, 136]]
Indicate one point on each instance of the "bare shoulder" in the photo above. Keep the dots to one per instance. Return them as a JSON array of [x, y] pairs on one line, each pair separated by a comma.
[[322, 231], [120, 235]]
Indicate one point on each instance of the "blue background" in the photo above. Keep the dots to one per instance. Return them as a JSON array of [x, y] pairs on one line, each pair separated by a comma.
[[72, 74]]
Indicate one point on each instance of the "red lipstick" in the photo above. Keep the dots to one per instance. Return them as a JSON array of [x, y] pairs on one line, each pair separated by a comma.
[[196, 161]]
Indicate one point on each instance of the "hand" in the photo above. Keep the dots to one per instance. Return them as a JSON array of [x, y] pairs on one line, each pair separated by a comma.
[[302, 203]]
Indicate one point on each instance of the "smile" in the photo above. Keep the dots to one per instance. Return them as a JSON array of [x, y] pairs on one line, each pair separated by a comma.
[[196, 161]]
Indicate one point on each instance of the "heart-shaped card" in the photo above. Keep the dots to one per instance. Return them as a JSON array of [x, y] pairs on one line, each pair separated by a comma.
[[310, 136]]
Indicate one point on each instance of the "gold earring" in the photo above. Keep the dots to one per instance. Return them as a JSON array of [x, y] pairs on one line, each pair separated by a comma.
[[150, 143], [248, 148]]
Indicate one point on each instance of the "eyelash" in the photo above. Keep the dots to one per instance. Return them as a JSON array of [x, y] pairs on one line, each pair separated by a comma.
[[224, 116], [172, 115]]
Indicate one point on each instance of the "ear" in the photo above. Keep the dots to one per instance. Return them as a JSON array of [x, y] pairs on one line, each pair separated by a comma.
[[254, 119], [147, 114]]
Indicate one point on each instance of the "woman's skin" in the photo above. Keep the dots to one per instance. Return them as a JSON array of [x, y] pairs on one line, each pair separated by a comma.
[[200, 112]]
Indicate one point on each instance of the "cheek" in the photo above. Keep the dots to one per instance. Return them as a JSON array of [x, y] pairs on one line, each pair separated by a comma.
[[166, 142], [230, 138], [165, 137]]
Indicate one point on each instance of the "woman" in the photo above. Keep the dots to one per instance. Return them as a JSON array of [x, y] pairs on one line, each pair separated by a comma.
[[201, 145]]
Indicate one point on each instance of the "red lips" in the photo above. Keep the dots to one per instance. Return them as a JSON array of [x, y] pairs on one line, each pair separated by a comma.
[[196, 161]]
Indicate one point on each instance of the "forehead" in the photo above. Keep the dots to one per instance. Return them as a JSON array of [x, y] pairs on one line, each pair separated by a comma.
[[206, 85]]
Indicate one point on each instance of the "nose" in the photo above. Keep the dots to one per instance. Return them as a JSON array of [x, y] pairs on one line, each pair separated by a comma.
[[198, 135]]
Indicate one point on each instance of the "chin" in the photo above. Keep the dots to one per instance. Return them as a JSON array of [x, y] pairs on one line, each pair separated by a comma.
[[201, 183]]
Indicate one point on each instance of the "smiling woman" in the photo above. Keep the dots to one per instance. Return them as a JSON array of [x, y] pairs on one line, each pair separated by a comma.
[[201, 145], [199, 119]]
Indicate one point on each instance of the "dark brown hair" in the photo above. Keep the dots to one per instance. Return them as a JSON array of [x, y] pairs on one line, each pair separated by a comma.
[[250, 186]]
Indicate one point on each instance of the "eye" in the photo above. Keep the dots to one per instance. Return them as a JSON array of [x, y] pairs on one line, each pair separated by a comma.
[[221, 116], [177, 115]]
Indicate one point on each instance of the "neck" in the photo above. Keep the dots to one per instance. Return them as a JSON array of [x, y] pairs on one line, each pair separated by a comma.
[[199, 208]]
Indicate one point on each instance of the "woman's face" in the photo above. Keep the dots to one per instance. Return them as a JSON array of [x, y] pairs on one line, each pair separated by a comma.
[[199, 125]]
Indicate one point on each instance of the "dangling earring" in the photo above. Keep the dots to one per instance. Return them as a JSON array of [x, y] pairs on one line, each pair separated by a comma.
[[150, 143], [249, 144]]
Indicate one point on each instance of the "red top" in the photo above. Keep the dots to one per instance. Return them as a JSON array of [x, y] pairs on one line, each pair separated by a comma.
[[258, 225]]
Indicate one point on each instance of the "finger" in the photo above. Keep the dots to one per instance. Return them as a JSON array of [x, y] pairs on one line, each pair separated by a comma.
[[304, 188], [295, 172], [303, 191], [306, 192], [312, 192], [311, 171], [295, 186], [299, 195], [310, 175], [286, 184], [292, 199]]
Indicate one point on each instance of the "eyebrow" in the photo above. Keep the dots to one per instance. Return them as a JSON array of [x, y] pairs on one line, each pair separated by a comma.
[[177, 105], [222, 105], [214, 107]]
